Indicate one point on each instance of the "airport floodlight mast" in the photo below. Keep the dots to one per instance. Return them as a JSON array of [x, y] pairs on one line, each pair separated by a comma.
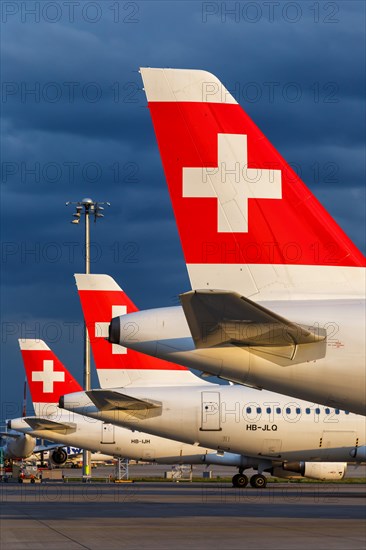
[[87, 207]]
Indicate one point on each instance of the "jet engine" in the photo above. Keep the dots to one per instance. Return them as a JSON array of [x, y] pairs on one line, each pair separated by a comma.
[[359, 453], [58, 457], [19, 446], [316, 470]]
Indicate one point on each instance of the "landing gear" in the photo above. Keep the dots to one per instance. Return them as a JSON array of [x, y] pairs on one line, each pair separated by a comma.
[[258, 481], [240, 481]]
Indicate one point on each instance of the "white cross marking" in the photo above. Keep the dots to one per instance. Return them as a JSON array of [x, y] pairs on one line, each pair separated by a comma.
[[48, 376], [101, 329], [232, 183]]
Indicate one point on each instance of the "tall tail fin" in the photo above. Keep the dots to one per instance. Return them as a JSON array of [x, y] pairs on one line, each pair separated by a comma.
[[102, 299], [246, 220], [47, 377]]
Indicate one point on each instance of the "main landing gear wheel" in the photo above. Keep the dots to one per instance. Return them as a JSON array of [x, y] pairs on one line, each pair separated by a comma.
[[240, 481], [258, 481]]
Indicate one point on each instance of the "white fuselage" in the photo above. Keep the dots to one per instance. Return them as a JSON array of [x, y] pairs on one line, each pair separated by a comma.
[[106, 438], [239, 420], [335, 377]]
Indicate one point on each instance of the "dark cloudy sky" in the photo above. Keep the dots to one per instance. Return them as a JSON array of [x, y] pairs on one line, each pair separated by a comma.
[[75, 124]]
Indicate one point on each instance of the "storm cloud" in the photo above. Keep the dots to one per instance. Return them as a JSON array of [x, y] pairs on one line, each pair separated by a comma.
[[75, 124]]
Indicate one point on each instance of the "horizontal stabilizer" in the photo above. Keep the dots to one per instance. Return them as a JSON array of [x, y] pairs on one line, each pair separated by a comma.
[[217, 317], [107, 400], [39, 423]]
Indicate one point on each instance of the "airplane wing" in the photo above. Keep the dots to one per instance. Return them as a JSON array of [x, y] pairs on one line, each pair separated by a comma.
[[106, 400], [45, 448], [39, 423], [218, 317]]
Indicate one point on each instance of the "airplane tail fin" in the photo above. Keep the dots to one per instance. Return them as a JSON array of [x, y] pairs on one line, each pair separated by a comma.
[[47, 377], [102, 299], [246, 220]]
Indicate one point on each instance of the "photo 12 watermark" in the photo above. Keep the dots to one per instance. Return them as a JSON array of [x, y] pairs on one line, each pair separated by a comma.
[[71, 12], [270, 12], [69, 172], [52, 92]]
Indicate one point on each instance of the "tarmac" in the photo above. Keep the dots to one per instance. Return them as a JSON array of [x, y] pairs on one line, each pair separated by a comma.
[[170, 515]]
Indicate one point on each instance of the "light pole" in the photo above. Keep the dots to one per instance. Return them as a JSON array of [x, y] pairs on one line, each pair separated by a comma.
[[89, 208]]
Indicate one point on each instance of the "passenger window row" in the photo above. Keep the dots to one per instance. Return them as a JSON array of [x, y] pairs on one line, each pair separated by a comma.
[[289, 410]]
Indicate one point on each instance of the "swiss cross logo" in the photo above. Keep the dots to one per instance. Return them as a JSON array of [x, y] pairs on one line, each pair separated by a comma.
[[48, 376], [101, 329], [232, 183]]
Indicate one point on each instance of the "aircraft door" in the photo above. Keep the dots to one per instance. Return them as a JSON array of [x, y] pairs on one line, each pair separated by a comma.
[[210, 411], [107, 433]]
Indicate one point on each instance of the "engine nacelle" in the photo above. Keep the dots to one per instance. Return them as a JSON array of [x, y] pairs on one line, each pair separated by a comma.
[[58, 457], [229, 459], [20, 447], [325, 471], [359, 453]]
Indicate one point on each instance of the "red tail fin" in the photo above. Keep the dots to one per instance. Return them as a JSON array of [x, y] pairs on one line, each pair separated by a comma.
[[47, 377], [102, 299], [236, 200]]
